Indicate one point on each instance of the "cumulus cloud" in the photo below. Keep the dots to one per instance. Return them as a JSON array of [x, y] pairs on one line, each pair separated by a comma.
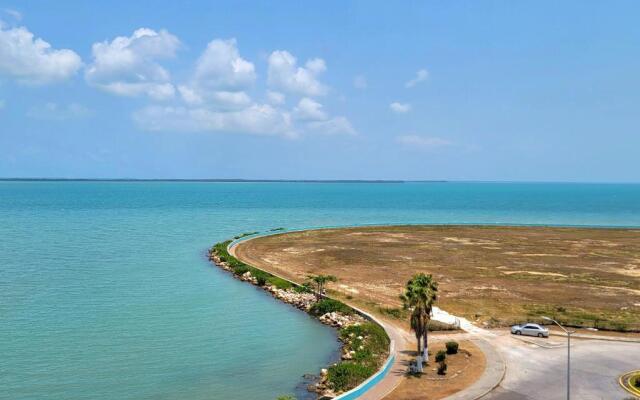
[[284, 74], [128, 66], [423, 142], [360, 82], [309, 110], [421, 75], [255, 119], [214, 100], [276, 98], [400, 108], [219, 77], [221, 67], [32, 60], [58, 112], [332, 126]]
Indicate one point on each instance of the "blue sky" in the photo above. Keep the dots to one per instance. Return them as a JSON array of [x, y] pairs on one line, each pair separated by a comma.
[[535, 91]]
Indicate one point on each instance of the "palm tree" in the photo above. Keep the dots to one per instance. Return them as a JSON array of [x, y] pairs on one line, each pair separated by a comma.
[[320, 281], [420, 294]]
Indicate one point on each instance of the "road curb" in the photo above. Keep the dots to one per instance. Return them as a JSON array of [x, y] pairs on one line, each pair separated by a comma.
[[594, 337], [624, 381]]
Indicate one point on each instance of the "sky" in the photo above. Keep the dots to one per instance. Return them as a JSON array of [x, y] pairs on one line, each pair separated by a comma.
[[464, 90]]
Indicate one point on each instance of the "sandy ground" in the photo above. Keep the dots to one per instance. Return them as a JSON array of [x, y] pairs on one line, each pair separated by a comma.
[[463, 369], [490, 275]]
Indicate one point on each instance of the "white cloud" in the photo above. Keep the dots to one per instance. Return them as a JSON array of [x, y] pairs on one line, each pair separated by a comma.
[[219, 76], [400, 108], [421, 75], [333, 126], [423, 142], [309, 110], [221, 67], [15, 14], [58, 112], [255, 119], [190, 95], [284, 74], [276, 98], [127, 66], [32, 60], [231, 100]]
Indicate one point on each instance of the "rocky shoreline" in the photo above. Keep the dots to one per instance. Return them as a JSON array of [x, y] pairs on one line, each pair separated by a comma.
[[304, 301]]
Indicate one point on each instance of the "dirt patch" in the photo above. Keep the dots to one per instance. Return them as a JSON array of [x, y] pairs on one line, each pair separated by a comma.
[[493, 275], [463, 369]]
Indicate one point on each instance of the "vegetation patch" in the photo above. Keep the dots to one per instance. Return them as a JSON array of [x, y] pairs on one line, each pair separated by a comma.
[[330, 305], [368, 345]]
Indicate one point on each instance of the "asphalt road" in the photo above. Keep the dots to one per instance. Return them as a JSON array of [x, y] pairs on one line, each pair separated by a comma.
[[535, 372]]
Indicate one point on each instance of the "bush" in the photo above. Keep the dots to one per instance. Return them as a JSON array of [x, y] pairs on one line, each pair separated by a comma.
[[441, 356], [452, 347], [347, 375], [288, 397], [261, 276], [442, 367], [304, 288], [329, 305], [240, 269]]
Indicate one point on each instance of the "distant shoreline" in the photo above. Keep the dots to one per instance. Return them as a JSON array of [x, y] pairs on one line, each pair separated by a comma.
[[206, 180]]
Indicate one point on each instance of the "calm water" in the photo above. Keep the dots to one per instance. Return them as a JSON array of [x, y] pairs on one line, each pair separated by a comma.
[[105, 292]]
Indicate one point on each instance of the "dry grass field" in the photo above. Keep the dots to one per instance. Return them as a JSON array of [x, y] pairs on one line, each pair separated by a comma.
[[491, 275]]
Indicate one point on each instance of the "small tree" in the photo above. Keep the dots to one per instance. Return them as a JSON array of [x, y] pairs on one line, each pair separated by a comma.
[[320, 282]]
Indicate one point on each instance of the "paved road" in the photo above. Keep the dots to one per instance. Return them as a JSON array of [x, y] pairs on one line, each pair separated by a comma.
[[535, 372]]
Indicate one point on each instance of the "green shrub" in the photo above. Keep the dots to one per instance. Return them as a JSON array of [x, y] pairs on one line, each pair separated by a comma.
[[279, 282], [375, 342], [442, 367], [261, 276], [329, 305], [441, 356], [304, 288], [347, 375], [452, 347], [240, 269], [287, 397]]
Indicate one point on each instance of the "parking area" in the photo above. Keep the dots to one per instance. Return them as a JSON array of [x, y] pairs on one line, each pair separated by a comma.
[[536, 368]]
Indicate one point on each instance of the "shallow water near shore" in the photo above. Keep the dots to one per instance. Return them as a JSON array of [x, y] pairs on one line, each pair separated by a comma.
[[106, 292]]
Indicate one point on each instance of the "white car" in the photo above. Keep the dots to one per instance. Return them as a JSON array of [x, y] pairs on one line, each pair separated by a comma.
[[530, 330]]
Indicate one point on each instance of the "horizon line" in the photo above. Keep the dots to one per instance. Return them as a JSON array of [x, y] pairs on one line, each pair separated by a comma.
[[248, 180]]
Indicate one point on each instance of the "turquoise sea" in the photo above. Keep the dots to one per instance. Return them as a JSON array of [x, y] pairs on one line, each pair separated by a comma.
[[106, 293]]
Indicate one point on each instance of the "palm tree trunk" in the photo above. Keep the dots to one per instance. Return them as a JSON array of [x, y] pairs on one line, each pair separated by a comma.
[[425, 348]]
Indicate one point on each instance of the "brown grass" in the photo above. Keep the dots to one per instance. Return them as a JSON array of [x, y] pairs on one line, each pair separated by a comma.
[[495, 275]]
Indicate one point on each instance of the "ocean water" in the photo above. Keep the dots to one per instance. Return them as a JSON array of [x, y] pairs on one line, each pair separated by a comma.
[[106, 293]]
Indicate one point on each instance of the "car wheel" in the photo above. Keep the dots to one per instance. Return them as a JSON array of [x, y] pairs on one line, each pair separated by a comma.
[[540, 335], [518, 333]]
